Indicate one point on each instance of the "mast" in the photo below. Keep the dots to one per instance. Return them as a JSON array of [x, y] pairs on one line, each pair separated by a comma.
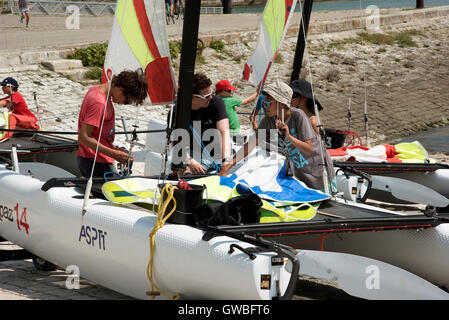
[[300, 43], [299, 54], [187, 67]]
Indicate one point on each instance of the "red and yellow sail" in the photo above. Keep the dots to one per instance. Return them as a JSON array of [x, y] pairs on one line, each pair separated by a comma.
[[273, 26], [139, 40]]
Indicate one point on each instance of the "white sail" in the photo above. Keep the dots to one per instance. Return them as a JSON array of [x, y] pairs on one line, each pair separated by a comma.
[[139, 40], [273, 26]]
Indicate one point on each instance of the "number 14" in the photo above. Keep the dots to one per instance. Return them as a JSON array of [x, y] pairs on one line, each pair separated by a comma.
[[23, 218]]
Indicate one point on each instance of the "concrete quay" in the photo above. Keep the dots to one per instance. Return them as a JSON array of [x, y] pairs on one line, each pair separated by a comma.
[[49, 37]]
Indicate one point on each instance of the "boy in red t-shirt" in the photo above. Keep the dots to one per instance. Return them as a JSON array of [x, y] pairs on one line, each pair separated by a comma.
[[126, 88], [15, 103]]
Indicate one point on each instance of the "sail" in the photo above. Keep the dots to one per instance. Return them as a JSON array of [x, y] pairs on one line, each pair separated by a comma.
[[275, 19], [139, 40]]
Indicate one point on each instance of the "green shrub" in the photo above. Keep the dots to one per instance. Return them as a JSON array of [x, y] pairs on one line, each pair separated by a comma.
[[217, 45], [404, 40], [377, 38], [91, 56], [175, 48], [94, 73], [200, 59]]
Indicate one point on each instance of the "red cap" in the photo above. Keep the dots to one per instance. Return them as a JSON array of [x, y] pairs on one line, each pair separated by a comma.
[[224, 85]]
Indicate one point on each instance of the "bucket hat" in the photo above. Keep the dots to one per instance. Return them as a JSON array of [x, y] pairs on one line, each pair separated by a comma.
[[304, 89], [280, 92]]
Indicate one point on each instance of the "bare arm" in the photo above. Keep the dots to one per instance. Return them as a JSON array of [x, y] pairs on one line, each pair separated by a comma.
[[250, 98], [85, 138], [314, 123], [223, 127], [303, 146], [252, 118], [6, 103], [242, 153]]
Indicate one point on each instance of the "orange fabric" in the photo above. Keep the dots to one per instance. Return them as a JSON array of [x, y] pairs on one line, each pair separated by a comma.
[[20, 121], [390, 151]]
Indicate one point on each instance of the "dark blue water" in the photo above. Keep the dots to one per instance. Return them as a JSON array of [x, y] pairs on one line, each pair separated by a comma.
[[351, 5], [434, 140]]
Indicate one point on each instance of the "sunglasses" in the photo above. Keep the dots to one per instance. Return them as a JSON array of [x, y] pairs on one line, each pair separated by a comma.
[[206, 97]]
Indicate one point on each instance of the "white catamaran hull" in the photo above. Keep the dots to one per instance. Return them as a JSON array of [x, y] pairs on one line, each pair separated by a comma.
[[423, 252], [437, 180], [110, 245]]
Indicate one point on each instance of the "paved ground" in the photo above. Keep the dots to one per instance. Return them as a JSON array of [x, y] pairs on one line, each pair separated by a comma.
[[52, 31], [20, 280]]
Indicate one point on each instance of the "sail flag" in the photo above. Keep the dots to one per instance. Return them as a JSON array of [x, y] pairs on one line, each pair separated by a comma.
[[273, 26], [139, 40]]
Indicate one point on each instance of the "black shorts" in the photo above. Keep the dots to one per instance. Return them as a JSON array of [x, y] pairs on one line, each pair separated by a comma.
[[85, 166]]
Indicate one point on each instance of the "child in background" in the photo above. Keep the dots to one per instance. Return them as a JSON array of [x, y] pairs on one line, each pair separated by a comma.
[[224, 90]]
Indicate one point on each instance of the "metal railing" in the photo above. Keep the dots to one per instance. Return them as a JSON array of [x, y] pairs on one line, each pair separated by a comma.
[[48, 7], [211, 10]]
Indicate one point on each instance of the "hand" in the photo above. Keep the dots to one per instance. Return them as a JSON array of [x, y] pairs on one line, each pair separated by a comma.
[[10, 106], [224, 169], [252, 116], [195, 168], [121, 156], [282, 128]]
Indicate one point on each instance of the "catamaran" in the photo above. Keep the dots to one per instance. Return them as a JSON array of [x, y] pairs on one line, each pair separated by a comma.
[[130, 236]]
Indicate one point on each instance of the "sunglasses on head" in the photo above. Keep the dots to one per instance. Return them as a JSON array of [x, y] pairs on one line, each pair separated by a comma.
[[206, 97]]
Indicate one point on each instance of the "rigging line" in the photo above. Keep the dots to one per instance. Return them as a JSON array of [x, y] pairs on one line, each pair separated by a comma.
[[163, 172], [141, 86], [270, 64], [349, 114], [277, 43], [203, 147], [365, 115], [326, 181], [89, 182], [73, 132]]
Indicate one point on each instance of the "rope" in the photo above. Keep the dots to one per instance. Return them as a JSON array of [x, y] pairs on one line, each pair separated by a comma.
[[73, 132], [163, 204], [206, 152], [317, 115], [353, 139]]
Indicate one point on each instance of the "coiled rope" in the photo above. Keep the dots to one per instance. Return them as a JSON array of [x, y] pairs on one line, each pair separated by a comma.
[[161, 218]]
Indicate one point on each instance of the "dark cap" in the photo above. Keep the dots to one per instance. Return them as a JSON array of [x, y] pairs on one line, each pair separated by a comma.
[[10, 81], [304, 89]]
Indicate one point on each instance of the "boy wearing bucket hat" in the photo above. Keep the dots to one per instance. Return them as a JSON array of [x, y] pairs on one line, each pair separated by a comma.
[[15, 103], [224, 90], [303, 99], [298, 139]]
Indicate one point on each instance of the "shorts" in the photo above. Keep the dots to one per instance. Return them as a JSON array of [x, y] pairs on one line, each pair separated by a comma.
[[25, 11], [85, 166]]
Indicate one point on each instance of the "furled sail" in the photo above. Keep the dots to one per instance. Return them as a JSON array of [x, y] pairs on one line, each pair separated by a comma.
[[139, 40], [273, 26]]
